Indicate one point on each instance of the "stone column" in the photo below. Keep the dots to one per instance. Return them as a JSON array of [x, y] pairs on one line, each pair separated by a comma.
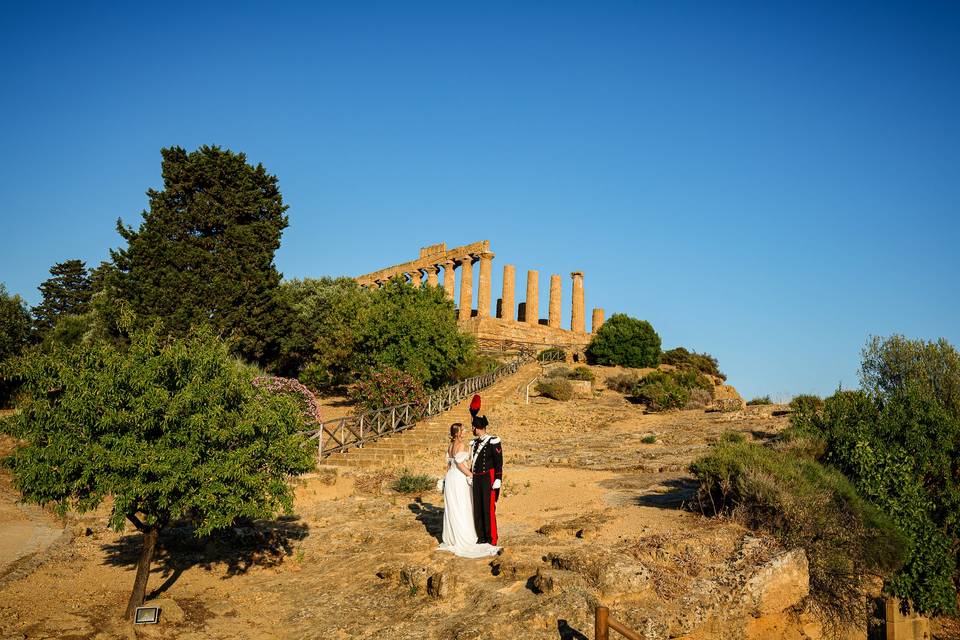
[[532, 315], [553, 320], [466, 288], [449, 277], [415, 278], [597, 320], [507, 307], [577, 320], [431, 275], [483, 292]]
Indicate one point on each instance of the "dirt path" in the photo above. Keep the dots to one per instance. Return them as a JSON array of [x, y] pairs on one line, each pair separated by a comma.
[[25, 530]]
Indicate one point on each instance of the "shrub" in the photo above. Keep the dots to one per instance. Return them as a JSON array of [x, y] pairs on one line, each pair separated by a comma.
[[475, 365], [407, 482], [806, 404], [699, 399], [553, 353], [734, 437], [759, 400], [560, 372], [662, 390], [582, 373], [625, 341], [899, 453], [804, 504], [663, 394], [649, 439], [304, 398], [388, 387], [702, 362], [623, 382], [898, 441], [556, 388]]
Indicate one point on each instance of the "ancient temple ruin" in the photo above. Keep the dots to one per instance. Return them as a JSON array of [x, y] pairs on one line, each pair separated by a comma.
[[511, 326]]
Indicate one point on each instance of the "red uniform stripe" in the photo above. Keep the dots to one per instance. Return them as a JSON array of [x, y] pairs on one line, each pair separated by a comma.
[[493, 510]]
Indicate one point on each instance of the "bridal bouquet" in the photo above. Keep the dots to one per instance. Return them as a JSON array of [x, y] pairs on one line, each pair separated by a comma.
[[440, 484]]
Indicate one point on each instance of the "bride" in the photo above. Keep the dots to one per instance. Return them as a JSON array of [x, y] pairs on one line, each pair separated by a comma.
[[459, 535]]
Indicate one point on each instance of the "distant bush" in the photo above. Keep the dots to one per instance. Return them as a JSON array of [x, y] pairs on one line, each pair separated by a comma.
[[556, 388], [551, 354], [625, 341], [734, 437], [475, 365], [699, 399], [804, 504], [561, 372], [387, 387], [806, 404], [407, 482], [623, 382], [662, 390], [702, 362], [649, 439], [759, 400], [582, 373]]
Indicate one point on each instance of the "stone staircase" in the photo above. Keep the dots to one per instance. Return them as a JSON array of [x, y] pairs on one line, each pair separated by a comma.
[[431, 435]]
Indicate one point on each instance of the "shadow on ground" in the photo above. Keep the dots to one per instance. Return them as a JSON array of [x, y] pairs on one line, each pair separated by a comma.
[[264, 543], [680, 491], [430, 516], [567, 632]]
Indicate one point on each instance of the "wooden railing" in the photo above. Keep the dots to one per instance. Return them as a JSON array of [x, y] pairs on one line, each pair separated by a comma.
[[343, 434], [603, 624]]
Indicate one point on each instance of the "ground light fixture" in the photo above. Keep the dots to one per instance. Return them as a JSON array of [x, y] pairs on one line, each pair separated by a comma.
[[147, 615]]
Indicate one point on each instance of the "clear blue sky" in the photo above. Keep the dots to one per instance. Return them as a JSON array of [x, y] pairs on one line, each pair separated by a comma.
[[768, 182]]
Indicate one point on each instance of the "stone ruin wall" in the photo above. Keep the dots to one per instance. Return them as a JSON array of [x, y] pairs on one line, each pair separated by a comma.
[[504, 325]]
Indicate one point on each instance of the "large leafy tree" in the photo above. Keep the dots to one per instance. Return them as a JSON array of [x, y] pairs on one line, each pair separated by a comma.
[[898, 440], [625, 341], [65, 293], [169, 429], [411, 329], [327, 313], [204, 252], [14, 324]]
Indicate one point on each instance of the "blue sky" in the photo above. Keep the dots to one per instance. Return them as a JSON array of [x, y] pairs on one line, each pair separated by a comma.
[[768, 182]]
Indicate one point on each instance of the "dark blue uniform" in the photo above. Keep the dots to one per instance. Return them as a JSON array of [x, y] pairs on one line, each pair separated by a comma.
[[487, 453]]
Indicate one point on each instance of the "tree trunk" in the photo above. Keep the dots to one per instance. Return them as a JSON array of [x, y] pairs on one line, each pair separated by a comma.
[[150, 535]]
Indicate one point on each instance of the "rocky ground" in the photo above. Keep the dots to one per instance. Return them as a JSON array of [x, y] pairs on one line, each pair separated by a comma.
[[589, 514]]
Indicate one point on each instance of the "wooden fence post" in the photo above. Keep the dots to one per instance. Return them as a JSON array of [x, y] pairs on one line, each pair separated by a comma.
[[601, 630]]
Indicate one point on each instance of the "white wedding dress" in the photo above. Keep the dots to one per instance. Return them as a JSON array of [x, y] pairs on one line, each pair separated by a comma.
[[459, 535]]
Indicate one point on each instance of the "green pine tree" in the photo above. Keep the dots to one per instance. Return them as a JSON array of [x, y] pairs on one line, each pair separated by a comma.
[[204, 252], [66, 293]]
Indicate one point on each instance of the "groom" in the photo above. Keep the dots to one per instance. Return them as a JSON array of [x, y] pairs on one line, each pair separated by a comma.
[[487, 468]]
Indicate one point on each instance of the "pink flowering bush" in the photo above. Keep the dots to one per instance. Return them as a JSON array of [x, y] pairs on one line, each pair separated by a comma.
[[291, 387], [388, 387]]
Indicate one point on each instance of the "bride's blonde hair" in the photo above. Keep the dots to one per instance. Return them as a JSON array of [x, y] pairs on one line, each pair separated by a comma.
[[455, 430]]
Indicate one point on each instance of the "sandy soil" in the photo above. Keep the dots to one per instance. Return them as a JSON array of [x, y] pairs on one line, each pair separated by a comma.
[[356, 559]]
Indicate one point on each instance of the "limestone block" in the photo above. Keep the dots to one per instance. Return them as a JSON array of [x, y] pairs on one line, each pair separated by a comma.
[[777, 585], [582, 388], [442, 585]]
